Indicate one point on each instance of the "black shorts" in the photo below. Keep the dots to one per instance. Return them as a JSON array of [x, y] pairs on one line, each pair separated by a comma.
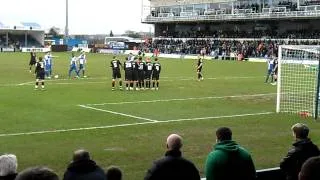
[[128, 75], [116, 74], [147, 75], [140, 75], [155, 76], [135, 76], [40, 75], [32, 62], [199, 70]]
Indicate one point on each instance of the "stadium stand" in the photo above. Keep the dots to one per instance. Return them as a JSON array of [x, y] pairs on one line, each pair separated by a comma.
[[249, 28], [21, 35]]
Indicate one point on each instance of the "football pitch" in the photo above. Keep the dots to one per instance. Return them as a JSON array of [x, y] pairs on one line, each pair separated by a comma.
[[129, 128]]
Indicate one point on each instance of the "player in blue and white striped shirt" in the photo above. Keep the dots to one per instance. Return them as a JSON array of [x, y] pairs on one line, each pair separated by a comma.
[[82, 61], [73, 65], [48, 65], [270, 63]]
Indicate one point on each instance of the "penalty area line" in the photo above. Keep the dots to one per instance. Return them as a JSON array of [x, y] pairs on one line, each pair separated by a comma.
[[184, 99], [117, 113], [131, 124]]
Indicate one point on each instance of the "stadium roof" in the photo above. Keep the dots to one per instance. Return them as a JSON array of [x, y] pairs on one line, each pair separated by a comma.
[[20, 25], [31, 24]]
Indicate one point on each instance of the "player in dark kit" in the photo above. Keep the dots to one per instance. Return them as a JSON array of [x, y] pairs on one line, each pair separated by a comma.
[[134, 74], [116, 74], [141, 69], [40, 73], [199, 69], [156, 70], [148, 73], [275, 71], [128, 73], [33, 60]]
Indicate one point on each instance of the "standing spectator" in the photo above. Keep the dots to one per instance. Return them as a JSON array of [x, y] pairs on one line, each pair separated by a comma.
[[114, 173], [83, 168], [173, 166], [8, 167], [228, 160], [302, 149], [310, 169], [37, 173]]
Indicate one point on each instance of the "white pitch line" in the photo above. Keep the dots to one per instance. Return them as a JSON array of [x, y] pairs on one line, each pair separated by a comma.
[[183, 99], [26, 83], [217, 117], [117, 113], [130, 124], [169, 79]]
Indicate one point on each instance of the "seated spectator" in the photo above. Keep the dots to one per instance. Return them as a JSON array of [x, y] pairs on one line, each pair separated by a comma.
[[114, 173], [302, 149], [37, 173], [173, 166], [310, 169], [8, 167], [228, 160], [83, 168]]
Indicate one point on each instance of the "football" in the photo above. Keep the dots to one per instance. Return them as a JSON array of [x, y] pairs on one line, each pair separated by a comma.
[[56, 76]]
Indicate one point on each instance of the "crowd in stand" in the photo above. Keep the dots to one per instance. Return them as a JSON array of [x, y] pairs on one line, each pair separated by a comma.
[[227, 161], [221, 48], [290, 34]]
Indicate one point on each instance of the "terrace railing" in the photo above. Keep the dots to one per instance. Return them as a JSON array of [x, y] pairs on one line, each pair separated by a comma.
[[268, 14]]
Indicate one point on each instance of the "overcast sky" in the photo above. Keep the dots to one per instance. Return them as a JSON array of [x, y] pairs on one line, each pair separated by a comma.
[[85, 16]]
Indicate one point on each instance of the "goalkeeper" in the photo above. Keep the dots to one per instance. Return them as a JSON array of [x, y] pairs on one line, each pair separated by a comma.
[[275, 71]]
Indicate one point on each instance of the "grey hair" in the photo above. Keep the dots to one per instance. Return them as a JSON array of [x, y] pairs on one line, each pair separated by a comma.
[[8, 164]]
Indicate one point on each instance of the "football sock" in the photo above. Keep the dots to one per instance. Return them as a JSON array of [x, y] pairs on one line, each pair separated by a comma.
[[113, 83], [267, 79], [153, 84], [157, 84], [120, 83]]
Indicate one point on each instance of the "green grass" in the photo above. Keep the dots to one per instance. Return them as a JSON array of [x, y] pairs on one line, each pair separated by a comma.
[[135, 146]]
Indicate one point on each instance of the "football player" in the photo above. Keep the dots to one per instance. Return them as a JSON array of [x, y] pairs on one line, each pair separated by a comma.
[[116, 74], [40, 73]]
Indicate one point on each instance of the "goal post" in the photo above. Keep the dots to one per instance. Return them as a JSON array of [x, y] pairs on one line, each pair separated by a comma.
[[298, 80]]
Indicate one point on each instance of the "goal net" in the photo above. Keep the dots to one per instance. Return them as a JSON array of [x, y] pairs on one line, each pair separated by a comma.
[[298, 88]]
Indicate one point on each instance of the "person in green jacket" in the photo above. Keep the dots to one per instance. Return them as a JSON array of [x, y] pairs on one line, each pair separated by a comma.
[[228, 160]]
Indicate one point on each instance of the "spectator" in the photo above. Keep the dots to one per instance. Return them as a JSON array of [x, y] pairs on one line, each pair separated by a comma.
[[37, 173], [228, 160], [83, 168], [302, 149], [173, 166], [114, 173], [8, 167], [310, 169]]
